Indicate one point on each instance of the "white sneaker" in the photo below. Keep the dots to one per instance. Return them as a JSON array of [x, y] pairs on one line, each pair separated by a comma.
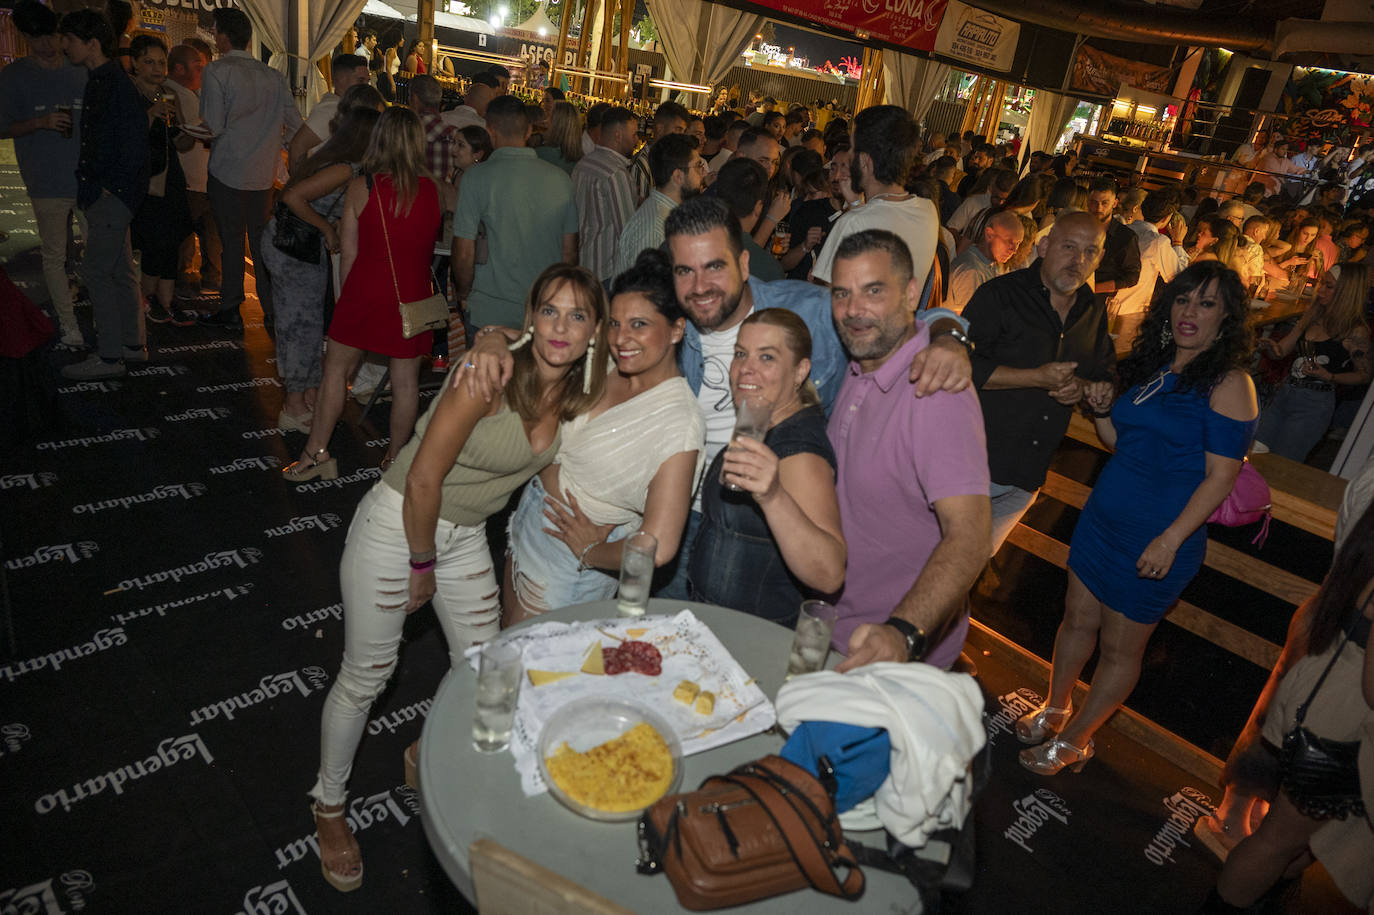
[[93, 368], [72, 339]]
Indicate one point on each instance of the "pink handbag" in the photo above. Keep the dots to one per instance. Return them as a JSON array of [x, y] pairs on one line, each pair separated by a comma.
[[1248, 502]]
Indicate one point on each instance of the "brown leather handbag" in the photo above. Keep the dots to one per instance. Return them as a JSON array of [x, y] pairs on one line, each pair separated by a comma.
[[767, 828]]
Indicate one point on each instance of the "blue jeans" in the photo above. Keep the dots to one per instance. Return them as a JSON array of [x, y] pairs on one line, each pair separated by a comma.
[[676, 586], [1295, 421]]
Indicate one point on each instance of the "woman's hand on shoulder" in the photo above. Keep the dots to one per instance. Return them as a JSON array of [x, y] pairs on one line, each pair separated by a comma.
[[1234, 397]]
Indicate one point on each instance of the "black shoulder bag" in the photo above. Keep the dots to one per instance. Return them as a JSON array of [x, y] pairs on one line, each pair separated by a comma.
[[1321, 777]]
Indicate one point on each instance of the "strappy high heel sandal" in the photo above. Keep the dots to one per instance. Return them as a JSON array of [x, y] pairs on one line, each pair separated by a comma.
[[1056, 754], [304, 471], [411, 759], [1042, 724], [344, 881]]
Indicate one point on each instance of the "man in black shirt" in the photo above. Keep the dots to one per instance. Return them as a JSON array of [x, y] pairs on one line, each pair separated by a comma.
[[1039, 335], [1120, 266], [974, 163]]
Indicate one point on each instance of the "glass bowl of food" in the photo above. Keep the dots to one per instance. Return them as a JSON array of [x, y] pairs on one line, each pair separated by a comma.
[[609, 759]]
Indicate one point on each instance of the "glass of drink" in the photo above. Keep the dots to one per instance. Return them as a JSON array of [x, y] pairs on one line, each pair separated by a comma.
[[67, 110], [636, 573], [811, 644], [498, 687], [751, 421], [781, 237]]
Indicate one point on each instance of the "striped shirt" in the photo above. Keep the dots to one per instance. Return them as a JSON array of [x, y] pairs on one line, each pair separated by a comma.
[[605, 202], [645, 228]]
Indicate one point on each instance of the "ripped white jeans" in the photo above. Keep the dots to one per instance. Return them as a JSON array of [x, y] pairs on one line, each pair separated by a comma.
[[375, 577]]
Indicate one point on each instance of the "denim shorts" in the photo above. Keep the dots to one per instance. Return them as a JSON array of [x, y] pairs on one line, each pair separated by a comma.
[[543, 568]]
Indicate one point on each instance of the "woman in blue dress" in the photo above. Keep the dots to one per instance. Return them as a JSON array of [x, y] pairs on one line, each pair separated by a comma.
[[1180, 428]]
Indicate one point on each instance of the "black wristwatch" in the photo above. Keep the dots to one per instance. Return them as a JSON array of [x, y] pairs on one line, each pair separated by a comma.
[[917, 642]]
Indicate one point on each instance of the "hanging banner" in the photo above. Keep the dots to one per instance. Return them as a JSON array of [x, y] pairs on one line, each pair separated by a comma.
[[1099, 73], [910, 23], [977, 37]]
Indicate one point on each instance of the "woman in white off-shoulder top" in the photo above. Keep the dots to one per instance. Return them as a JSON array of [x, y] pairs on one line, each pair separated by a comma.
[[631, 463]]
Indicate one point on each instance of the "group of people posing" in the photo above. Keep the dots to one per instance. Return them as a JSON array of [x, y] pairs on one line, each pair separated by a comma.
[[621, 304]]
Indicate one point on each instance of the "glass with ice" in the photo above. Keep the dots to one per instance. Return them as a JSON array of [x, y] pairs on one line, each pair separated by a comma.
[[751, 421], [498, 686], [815, 625], [636, 573]]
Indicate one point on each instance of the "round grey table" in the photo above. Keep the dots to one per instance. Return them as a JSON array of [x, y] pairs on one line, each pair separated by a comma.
[[466, 795]]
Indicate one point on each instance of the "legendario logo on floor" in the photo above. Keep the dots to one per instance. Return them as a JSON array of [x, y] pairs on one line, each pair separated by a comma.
[[1033, 811], [13, 737], [1014, 705], [231, 593], [31, 480], [76, 885], [274, 899], [363, 813], [265, 462], [1185, 806], [210, 413], [145, 434], [158, 494], [58, 552], [302, 523], [269, 687], [243, 557], [103, 640], [169, 752]]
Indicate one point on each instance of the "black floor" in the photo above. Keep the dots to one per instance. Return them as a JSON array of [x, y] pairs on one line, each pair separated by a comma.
[[176, 623]]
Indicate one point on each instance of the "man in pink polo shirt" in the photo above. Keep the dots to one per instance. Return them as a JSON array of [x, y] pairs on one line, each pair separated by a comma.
[[912, 473]]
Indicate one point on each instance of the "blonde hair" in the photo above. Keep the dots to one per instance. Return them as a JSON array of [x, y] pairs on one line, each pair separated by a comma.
[[525, 390], [797, 337], [565, 131], [1344, 314], [397, 149]]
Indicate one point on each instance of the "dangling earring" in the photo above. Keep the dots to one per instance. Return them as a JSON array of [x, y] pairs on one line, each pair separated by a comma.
[[524, 338], [588, 367], [1166, 334]]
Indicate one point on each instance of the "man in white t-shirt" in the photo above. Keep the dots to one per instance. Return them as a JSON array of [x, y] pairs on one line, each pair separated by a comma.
[[348, 70], [884, 140], [184, 66], [1158, 262]]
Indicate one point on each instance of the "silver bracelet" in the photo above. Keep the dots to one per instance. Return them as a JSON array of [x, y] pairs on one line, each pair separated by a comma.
[[582, 560]]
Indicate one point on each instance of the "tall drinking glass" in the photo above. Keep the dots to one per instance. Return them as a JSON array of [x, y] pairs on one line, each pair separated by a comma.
[[498, 688], [815, 626], [636, 573], [751, 421]]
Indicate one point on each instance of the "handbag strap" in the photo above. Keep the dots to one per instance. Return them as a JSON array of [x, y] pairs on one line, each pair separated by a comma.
[[1345, 637], [806, 850], [381, 214]]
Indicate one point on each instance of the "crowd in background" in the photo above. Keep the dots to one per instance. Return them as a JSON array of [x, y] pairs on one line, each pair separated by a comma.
[[922, 314]]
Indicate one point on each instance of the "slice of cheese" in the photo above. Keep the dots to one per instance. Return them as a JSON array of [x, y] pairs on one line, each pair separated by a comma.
[[541, 677], [686, 692], [593, 662], [706, 703], [635, 633]]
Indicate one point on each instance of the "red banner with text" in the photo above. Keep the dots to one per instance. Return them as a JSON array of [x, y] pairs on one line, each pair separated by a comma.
[[911, 23]]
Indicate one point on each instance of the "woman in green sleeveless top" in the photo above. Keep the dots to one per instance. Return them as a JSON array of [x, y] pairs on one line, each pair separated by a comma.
[[420, 533]]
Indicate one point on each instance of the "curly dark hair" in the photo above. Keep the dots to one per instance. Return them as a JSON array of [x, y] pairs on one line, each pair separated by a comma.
[[651, 276], [1232, 349]]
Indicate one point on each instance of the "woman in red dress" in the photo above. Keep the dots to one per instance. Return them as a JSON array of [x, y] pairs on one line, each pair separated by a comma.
[[391, 218]]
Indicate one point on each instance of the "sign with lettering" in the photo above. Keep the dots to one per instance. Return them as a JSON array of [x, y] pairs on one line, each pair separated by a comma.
[[1099, 73], [1328, 106], [909, 23], [977, 37]]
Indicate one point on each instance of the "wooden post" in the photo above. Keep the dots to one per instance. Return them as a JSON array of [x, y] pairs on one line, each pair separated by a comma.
[[584, 46], [425, 16], [627, 12], [603, 57], [563, 25]]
